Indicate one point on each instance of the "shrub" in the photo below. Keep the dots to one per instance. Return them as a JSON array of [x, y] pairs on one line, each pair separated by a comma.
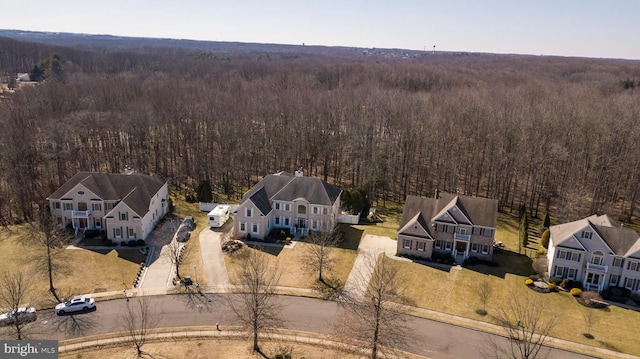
[[533, 277], [544, 239], [551, 286], [140, 243], [528, 281], [555, 280], [132, 243], [542, 251], [248, 238], [575, 292]]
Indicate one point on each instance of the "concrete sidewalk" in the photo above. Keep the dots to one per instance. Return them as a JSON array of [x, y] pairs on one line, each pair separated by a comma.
[[213, 261], [369, 249]]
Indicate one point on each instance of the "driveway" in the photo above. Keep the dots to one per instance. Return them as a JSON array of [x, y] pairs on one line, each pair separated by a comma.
[[213, 261], [369, 249]]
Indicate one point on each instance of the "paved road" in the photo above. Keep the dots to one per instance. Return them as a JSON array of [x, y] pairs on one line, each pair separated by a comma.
[[435, 339]]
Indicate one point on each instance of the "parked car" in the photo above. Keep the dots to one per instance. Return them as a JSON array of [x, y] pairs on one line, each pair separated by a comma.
[[77, 304], [188, 222], [183, 234], [22, 315]]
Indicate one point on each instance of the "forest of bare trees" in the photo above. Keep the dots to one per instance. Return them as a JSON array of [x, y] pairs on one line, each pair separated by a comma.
[[538, 131]]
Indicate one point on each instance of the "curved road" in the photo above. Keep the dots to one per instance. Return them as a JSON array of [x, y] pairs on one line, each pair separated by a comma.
[[435, 339]]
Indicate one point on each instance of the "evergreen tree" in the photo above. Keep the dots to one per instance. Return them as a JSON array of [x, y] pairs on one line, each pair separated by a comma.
[[544, 240], [547, 221], [204, 193]]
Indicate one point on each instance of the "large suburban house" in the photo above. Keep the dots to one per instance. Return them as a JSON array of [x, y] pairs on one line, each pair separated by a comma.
[[449, 224], [597, 252], [127, 206], [283, 200]]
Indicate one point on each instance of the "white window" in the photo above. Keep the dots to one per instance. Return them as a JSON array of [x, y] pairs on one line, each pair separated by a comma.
[[420, 246], [586, 234], [117, 232], [132, 234], [575, 257], [559, 272], [447, 246], [96, 206], [314, 224], [571, 273], [276, 206], [617, 262], [286, 221], [248, 212], [632, 284], [438, 244], [407, 244], [632, 266], [68, 206], [254, 228], [243, 227], [97, 223], [287, 207], [613, 280], [597, 258], [124, 216], [277, 221], [474, 247], [315, 210], [56, 205], [485, 249], [325, 211]]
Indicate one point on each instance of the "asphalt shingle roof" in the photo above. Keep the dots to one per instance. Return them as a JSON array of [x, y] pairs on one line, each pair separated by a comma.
[[134, 189], [480, 211], [284, 186]]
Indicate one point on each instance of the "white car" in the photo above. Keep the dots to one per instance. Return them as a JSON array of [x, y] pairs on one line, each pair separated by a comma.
[[77, 304], [22, 315]]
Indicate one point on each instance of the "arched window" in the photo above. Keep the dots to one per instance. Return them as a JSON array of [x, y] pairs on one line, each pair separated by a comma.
[[302, 209]]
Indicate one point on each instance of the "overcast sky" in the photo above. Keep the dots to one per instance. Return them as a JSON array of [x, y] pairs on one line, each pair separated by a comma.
[[586, 28]]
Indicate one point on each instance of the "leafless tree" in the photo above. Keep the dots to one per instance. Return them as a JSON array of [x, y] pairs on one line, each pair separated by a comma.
[[51, 241], [15, 288], [527, 324], [318, 257], [174, 252], [257, 306], [137, 321], [590, 320], [483, 290], [377, 317]]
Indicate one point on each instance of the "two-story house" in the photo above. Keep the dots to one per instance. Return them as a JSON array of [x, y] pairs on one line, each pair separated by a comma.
[[461, 226], [283, 200], [595, 251], [127, 206]]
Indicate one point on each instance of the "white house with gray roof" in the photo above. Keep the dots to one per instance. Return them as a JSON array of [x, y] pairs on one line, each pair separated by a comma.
[[462, 226], [283, 200], [127, 206], [596, 251]]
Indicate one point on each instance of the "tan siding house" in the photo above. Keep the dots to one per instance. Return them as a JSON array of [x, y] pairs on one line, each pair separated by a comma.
[[460, 226]]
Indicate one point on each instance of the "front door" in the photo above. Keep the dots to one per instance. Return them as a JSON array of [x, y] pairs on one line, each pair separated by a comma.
[[593, 279], [82, 223], [461, 248], [302, 223]]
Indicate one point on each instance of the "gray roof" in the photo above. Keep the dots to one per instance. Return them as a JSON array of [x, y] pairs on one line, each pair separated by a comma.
[[622, 241], [480, 211], [136, 189], [286, 187]]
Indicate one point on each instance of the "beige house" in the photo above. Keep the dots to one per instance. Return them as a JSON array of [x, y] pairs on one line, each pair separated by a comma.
[[127, 206], [596, 251], [461, 226], [283, 200]]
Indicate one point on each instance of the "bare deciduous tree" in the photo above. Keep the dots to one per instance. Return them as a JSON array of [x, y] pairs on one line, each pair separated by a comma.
[[527, 324], [137, 321], [174, 252], [256, 305], [377, 317], [318, 257], [590, 320], [483, 290], [14, 289]]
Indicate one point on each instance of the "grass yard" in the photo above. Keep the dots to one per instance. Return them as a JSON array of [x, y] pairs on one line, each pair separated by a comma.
[[290, 262], [81, 271]]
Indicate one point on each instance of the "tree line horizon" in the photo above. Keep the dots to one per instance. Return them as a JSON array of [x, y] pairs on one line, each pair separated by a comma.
[[549, 133]]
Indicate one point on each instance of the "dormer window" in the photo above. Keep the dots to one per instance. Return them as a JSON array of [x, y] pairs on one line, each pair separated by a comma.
[[586, 234], [248, 212]]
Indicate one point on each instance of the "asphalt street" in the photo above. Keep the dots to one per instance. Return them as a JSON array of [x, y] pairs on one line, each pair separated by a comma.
[[433, 340]]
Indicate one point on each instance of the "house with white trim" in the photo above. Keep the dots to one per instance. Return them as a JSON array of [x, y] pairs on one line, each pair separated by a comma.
[[125, 205], [283, 200], [596, 251], [462, 226]]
